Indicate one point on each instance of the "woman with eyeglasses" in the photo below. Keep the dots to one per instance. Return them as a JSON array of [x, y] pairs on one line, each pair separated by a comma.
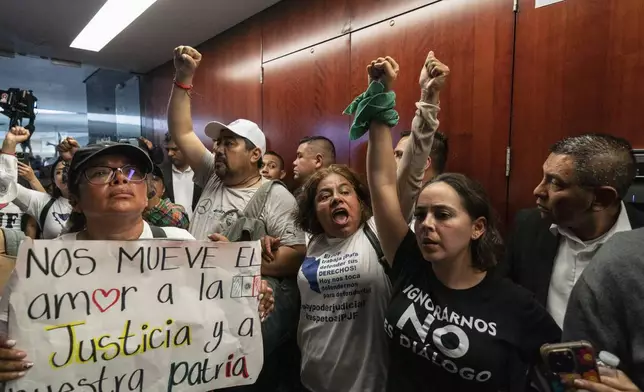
[[108, 188], [50, 210]]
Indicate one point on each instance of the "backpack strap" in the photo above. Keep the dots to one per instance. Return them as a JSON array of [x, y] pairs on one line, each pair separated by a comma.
[[43, 214], [12, 240], [375, 242], [256, 204], [158, 232]]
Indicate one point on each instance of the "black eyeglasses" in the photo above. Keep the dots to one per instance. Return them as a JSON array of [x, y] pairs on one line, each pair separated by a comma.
[[101, 175]]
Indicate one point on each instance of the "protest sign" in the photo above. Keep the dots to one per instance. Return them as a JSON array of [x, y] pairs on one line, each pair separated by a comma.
[[136, 316]]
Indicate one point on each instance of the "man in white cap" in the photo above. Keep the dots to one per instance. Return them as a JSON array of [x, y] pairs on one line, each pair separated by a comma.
[[230, 176]]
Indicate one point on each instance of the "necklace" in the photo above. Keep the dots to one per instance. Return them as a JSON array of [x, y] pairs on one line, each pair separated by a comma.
[[259, 178]]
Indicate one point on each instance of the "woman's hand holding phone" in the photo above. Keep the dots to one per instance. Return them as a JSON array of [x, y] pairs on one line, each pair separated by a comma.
[[612, 380]]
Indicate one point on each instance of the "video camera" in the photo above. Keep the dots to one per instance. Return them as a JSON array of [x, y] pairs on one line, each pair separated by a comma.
[[18, 104]]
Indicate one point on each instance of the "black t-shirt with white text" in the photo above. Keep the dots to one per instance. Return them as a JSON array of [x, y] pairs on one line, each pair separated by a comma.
[[479, 339]]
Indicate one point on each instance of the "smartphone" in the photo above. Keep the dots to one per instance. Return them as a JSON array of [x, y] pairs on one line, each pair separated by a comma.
[[569, 361], [22, 157]]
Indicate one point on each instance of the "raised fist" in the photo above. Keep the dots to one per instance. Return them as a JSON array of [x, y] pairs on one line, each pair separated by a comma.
[[18, 135], [434, 74], [385, 70], [147, 143], [67, 148], [186, 61]]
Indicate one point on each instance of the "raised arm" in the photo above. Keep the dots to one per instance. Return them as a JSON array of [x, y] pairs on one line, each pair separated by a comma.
[[25, 171], [414, 162], [9, 163], [186, 61], [28, 200], [381, 170], [67, 148], [15, 136]]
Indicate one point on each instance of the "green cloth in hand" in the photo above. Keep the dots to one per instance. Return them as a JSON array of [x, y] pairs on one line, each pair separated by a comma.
[[375, 104]]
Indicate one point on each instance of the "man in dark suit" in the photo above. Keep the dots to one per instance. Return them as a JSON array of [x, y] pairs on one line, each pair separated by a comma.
[[180, 188], [579, 207]]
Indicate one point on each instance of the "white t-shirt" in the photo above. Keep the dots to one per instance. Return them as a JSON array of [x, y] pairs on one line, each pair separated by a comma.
[[219, 206], [10, 216], [344, 292], [33, 202], [172, 233], [183, 188]]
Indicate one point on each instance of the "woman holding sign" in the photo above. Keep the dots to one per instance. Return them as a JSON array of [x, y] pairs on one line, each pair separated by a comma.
[[109, 190]]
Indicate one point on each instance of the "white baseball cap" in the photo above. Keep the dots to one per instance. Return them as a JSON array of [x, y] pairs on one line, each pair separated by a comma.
[[8, 183], [241, 127]]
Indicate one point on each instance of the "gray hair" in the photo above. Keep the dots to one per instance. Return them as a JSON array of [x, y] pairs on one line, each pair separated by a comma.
[[600, 160]]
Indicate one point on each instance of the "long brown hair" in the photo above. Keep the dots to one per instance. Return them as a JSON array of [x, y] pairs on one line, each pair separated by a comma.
[[306, 217]]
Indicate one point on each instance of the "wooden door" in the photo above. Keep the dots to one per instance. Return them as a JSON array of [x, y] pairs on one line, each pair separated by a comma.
[[474, 38], [579, 69]]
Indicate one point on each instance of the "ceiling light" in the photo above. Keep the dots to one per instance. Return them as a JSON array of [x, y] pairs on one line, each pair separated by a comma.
[[50, 111], [66, 63], [108, 22]]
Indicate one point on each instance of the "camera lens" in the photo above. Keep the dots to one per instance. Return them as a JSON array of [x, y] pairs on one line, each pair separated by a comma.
[[562, 361]]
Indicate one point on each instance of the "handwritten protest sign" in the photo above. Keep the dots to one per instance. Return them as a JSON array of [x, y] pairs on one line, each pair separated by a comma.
[[136, 316]]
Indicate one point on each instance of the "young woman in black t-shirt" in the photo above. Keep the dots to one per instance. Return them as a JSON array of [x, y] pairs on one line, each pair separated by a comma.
[[453, 325]]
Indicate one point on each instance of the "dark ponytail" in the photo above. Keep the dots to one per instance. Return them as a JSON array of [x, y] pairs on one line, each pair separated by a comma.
[[55, 191]]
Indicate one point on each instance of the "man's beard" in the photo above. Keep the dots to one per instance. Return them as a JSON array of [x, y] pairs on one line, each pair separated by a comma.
[[221, 169]]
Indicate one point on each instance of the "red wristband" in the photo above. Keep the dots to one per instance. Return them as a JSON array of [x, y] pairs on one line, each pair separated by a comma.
[[183, 86]]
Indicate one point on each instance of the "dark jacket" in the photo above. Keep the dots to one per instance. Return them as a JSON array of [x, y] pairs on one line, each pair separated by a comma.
[[532, 248], [169, 186], [606, 306]]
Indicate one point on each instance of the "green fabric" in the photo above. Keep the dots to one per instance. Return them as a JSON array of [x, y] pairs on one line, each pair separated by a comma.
[[375, 104]]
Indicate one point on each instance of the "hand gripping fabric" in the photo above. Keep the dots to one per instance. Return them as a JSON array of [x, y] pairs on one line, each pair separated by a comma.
[[375, 104]]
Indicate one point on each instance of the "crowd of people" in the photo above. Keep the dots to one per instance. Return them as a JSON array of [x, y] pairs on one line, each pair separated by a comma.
[[399, 283]]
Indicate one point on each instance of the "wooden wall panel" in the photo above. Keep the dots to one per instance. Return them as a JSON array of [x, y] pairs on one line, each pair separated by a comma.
[[474, 38], [227, 85], [579, 67], [154, 94], [304, 95], [228, 81], [291, 25], [367, 12]]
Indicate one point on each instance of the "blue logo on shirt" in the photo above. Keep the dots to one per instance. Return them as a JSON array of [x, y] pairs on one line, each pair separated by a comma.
[[60, 218], [310, 271]]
